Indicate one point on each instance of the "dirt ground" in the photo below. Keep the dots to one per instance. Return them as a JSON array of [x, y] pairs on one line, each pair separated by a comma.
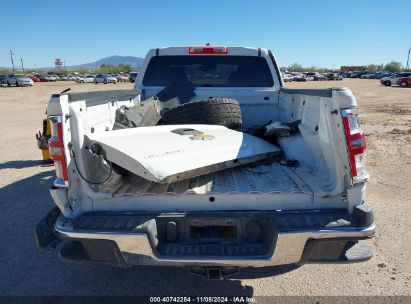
[[24, 200]]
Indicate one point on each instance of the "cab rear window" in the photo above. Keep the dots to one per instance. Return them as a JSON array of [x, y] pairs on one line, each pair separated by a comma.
[[209, 71]]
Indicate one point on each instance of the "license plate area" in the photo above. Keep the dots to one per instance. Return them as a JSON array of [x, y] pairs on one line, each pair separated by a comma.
[[213, 229], [213, 232], [224, 235]]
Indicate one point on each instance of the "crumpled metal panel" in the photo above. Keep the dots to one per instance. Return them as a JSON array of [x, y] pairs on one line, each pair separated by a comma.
[[167, 154]]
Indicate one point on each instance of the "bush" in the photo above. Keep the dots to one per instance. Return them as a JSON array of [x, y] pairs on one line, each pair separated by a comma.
[[114, 69], [296, 67], [56, 72], [393, 66]]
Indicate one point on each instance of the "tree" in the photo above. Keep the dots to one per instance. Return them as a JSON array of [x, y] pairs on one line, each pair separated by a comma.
[[393, 66], [322, 70], [372, 68], [83, 71], [295, 67], [124, 68], [58, 72], [114, 69], [312, 68]]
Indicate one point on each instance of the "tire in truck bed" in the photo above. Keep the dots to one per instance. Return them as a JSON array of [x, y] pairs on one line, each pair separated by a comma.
[[212, 111]]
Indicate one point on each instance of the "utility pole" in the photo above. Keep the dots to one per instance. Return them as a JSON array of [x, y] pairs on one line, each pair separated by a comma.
[[22, 66], [408, 59], [11, 56]]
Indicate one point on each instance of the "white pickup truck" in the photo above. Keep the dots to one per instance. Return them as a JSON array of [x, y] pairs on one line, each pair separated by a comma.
[[207, 190]]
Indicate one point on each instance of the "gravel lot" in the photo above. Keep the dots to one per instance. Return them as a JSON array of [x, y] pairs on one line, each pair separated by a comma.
[[24, 200]]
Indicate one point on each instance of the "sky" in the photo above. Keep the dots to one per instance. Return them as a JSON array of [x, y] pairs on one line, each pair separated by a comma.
[[324, 33]]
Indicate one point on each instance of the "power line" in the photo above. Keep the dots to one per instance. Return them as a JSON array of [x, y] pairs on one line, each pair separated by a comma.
[[408, 59], [22, 66], [11, 56]]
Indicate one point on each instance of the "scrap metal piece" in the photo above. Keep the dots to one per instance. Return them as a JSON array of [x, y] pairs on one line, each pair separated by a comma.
[[144, 114], [160, 155], [281, 129], [277, 129]]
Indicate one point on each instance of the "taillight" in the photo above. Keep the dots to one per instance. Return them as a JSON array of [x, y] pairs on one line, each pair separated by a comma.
[[56, 148], [356, 145], [207, 50]]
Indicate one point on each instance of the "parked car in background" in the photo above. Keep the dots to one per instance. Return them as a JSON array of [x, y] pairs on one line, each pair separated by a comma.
[[376, 75], [357, 74], [85, 79], [126, 76], [388, 81], [366, 76], [309, 76], [3, 79], [35, 78], [119, 77], [320, 77], [43, 78], [77, 77], [287, 78], [62, 77], [334, 76], [104, 78], [385, 74], [299, 77], [18, 80], [53, 77], [133, 76], [404, 82], [73, 77]]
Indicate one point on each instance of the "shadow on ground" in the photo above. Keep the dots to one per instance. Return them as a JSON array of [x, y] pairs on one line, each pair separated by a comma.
[[20, 164], [25, 270]]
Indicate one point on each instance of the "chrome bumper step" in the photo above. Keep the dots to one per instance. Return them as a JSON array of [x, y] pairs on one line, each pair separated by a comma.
[[141, 238]]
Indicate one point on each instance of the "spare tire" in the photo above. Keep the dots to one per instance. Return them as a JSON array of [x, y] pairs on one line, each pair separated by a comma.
[[212, 111]]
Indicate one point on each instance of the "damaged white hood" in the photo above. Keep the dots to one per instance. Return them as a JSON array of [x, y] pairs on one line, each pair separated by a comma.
[[171, 153]]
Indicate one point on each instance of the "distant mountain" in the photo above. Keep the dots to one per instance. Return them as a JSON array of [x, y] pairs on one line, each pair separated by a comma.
[[135, 62], [114, 60]]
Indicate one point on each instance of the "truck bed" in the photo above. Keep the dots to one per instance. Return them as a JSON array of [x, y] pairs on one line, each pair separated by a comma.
[[267, 178]]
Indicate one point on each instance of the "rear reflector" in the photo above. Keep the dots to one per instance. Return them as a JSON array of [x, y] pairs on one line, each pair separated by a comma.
[[207, 50]]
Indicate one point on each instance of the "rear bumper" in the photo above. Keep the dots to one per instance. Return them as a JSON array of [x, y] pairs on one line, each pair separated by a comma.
[[289, 242], [135, 249]]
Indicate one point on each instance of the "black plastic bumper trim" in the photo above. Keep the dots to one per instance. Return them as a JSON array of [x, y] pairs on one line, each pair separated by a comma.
[[44, 232], [337, 250], [364, 214], [92, 252]]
